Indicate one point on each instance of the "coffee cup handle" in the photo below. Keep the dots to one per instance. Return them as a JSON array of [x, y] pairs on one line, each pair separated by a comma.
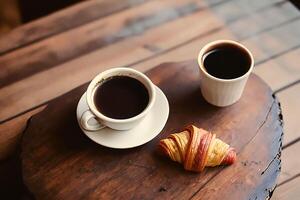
[[84, 121]]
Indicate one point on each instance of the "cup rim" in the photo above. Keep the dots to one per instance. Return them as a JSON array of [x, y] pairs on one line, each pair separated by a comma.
[[99, 78], [204, 49]]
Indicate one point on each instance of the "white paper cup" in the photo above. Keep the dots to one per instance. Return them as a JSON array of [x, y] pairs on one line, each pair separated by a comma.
[[217, 91]]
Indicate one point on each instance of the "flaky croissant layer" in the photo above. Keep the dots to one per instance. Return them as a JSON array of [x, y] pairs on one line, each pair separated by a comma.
[[196, 148]]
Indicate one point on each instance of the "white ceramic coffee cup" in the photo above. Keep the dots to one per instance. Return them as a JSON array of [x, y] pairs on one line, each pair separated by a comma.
[[217, 91], [100, 120]]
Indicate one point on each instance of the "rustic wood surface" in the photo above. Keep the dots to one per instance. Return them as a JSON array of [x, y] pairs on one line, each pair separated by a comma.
[[62, 62], [290, 190], [60, 162], [48, 57]]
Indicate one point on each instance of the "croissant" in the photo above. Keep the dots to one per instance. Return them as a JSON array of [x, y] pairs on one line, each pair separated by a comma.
[[197, 148]]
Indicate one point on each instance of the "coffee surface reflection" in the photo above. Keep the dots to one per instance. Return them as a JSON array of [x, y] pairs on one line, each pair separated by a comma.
[[121, 97], [227, 62]]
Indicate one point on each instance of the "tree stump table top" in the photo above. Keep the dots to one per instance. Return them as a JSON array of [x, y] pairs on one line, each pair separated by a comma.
[[60, 162]]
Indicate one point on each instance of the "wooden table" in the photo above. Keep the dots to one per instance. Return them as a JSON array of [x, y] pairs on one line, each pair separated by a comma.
[[60, 162], [49, 57]]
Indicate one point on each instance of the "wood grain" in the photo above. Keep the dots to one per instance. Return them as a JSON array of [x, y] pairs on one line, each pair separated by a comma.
[[132, 22], [290, 163], [104, 57], [55, 153], [275, 42], [91, 36], [278, 14], [284, 68], [143, 47], [10, 133], [289, 191], [62, 21], [50, 91], [11, 184], [289, 99], [235, 10], [161, 37], [245, 171]]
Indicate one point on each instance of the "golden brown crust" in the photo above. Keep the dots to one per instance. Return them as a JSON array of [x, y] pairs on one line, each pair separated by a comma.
[[196, 148]]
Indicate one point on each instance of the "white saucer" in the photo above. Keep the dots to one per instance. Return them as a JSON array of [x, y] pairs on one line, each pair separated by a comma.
[[148, 129]]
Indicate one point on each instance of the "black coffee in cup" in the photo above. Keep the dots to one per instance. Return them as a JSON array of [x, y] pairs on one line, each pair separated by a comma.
[[121, 97], [227, 62]]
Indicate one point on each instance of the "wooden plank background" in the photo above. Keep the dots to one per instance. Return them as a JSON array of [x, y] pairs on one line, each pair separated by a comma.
[[50, 56]]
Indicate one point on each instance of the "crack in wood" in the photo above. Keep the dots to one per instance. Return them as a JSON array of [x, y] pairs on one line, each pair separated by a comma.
[[277, 156], [266, 118], [260, 126], [256, 133]]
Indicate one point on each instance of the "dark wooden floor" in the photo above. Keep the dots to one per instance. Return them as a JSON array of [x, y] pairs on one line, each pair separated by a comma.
[[50, 56]]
